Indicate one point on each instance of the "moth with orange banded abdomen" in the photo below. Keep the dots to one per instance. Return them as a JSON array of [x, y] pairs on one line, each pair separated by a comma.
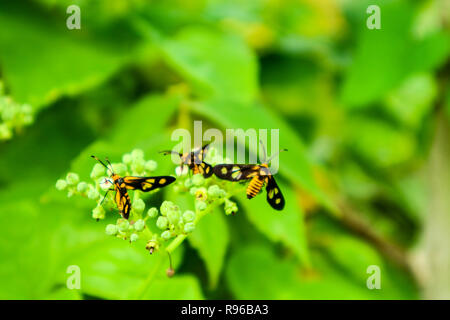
[[259, 175]]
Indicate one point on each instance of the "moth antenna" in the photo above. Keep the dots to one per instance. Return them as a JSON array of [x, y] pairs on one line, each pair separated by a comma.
[[110, 165], [99, 161], [264, 152], [276, 154]]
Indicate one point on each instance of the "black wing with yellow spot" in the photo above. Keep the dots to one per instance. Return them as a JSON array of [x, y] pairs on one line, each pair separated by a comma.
[[236, 172], [204, 169], [147, 183], [123, 201], [274, 195]]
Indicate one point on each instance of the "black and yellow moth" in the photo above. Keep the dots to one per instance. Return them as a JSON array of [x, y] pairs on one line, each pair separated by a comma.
[[259, 175], [194, 160], [123, 184]]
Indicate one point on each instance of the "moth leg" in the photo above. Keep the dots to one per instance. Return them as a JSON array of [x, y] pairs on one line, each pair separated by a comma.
[[106, 195]]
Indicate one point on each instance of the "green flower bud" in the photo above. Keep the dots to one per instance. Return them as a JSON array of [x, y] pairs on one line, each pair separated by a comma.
[[174, 214], [98, 212], [123, 225], [26, 108], [152, 212], [189, 227], [166, 235], [82, 187], [201, 194], [151, 165], [93, 193], [134, 237], [162, 222], [97, 171], [138, 205], [193, 190], [198, 180], [120, 169], [152, 245], [127, 159], [111, 229], [137, 154], [10, 111], [222, 193], [188, 216], [139, 225], [27, 119], [170, 272], [188, 183], [72, 178], [5, 132], [61, 184], [215, 191], [138, 165], [200, 205], [166, 206], [230, 207]]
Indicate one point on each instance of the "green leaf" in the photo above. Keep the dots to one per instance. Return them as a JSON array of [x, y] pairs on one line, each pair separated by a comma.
[[211, 238], [287, 281], [413, 100], [64, 294], [115, 269], [256, 273], [379, 143], [36, 243], [354, 255], [385, 57], [286, 226], [215, 63], [185, 287], [142, 127], [42, 60], [378, 64]]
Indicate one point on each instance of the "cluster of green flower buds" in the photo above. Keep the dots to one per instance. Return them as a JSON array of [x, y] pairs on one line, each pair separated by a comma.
[[126, 230], [171, 221], [74, 186], [13, 116]]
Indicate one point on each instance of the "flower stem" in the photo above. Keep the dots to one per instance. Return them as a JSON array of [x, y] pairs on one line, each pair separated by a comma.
[[143, 288]]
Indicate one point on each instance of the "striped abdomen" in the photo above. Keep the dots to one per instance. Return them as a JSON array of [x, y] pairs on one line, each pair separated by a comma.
[[255, 186]]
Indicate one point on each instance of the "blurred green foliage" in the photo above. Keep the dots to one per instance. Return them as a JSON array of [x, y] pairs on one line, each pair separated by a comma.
[[356, 108]]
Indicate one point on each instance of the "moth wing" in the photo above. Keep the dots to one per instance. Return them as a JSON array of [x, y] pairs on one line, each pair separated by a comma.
[[147, 183], [205, 169], [123, 202], [274, 195], [236, 172]]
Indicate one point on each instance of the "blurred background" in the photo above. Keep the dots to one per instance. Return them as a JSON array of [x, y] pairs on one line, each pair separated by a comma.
[[364, 113]]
